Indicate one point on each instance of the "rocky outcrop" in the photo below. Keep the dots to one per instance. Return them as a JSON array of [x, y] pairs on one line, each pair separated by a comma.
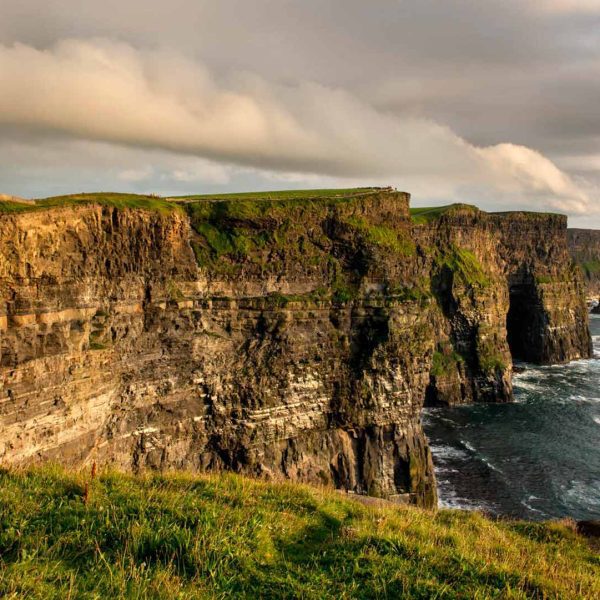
[[547, 318], [283, 338], [584, 246]]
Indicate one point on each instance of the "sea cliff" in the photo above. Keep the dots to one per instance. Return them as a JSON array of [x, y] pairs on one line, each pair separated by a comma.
[[584, 246], [278, 336]]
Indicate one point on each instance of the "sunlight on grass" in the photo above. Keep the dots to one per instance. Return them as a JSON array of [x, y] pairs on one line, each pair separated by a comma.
[[185, 536]]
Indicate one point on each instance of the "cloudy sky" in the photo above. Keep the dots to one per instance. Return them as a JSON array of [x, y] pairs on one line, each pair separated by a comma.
[[490, 102]]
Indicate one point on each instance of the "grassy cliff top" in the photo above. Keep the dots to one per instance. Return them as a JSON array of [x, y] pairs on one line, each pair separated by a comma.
[[283, 194], [263, 202], [529, 214], [183, 536], [104, 198], [427, 214], [155, 203], [422, 215]]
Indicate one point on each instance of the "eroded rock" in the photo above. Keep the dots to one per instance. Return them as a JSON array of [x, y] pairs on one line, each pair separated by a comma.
[[294, 339]]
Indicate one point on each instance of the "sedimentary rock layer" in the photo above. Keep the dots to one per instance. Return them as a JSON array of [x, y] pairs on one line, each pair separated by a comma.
[[283, 338], [584, 246]]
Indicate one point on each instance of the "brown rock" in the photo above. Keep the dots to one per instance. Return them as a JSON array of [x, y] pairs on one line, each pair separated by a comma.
[[287, 340]]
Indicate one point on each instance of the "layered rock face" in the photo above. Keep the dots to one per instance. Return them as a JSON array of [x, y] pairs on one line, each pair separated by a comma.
[[584, 246], [295, 338], [547, 318]]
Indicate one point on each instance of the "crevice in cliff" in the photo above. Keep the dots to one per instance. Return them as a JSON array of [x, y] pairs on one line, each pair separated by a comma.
[[524, 322]]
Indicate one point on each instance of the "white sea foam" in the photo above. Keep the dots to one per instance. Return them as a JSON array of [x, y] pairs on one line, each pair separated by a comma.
[[527, 505], [445, 471], [447, 452], [581, 493], [450, 499], [469, 446], [480, 456], [524, 384], [578, 398], [490, 465]]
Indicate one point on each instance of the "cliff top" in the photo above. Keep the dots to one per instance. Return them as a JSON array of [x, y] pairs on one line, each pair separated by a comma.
[[263, 202], [169, 536], [104, 198], [10, 204], [427, 214], [284, 194]]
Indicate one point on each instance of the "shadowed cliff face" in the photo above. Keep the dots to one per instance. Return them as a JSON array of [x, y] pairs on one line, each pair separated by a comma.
[[547, 318], [584, 247], [295, 338]]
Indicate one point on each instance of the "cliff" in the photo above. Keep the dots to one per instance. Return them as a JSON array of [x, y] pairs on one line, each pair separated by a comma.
[[281, 337], [584, 246]]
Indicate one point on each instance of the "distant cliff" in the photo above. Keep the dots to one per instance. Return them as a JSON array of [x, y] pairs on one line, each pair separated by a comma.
[[584, 246], [281, 336]]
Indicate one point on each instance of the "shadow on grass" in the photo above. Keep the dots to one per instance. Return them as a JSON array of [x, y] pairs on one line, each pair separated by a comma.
[[389, 566]]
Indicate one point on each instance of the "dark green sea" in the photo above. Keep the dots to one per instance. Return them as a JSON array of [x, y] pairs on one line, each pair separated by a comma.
[[537, 458]]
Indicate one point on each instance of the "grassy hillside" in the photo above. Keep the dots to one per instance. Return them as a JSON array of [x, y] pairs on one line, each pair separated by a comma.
[[183, 536]]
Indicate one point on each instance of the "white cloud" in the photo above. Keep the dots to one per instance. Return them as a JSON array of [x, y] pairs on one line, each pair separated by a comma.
[[112, 92], [571, 6], [200, 171], [518, 167], [136, 175]]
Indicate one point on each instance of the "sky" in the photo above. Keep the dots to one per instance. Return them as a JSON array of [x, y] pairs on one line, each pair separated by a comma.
[[494, 103]]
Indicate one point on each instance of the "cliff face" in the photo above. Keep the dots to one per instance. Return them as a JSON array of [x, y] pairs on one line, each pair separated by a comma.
[[295, 338], [547, 317], [584, 246]]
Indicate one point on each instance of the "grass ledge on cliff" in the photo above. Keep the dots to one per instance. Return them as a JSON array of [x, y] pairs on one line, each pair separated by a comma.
[[65, 535]]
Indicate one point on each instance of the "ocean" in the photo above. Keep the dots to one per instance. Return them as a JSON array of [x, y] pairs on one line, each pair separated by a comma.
[[537, 458]]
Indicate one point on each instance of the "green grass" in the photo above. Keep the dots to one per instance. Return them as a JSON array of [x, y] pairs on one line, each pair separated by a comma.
[[283, 194], [273, 205], [492, 363], [117, 200], [428, 214], [465, 265], [591, 268], [445, 361], [183, 536], [380, 235], [266, 231], [233, 205], [490, 359]]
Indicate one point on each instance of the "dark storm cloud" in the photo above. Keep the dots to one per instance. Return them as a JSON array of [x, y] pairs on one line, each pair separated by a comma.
[[462, 76]]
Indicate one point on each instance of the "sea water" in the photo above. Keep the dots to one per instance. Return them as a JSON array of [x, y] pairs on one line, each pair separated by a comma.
[[536, 458]]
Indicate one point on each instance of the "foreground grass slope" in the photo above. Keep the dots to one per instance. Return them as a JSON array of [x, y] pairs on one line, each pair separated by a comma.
[[183, 536]]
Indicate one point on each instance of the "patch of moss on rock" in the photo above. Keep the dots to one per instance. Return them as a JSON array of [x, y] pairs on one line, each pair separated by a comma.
[[464, 265], [381, 235], [445, 361]]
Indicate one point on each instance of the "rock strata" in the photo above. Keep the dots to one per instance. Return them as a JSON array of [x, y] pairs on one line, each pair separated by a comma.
[[281, 338], [584, 246]]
